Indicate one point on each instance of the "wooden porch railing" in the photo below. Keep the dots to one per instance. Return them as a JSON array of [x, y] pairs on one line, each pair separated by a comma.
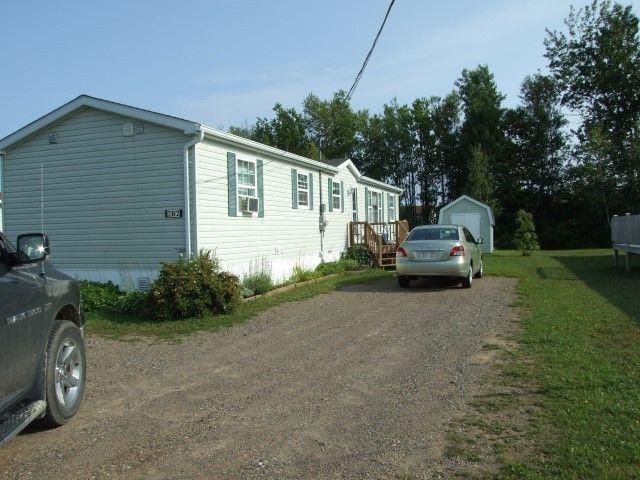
[[382, 239]]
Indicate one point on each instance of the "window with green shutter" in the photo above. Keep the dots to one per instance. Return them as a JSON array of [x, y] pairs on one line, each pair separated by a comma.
[[246, 186], [336, 196]]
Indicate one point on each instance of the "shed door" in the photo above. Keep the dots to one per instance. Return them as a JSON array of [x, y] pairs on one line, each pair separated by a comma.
[[469, 220]]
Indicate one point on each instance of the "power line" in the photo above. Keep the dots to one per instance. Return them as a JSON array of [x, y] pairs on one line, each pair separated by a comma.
[[373, 46]]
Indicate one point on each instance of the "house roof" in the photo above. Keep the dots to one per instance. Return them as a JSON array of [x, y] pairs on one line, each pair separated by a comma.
[[189, 127], [335, 162], [339, 162], [472, 200]]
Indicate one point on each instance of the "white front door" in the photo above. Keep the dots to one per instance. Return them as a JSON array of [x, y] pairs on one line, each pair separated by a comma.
[[469, 220]]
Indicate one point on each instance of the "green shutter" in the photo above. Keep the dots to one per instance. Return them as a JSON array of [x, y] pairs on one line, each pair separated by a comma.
[[330, 196], [232, 181], [382, 207], [310, 191], [294, 188], [260, 171], [366, 204], [342, 197]]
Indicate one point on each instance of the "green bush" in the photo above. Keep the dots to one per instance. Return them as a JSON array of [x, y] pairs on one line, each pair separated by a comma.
[[525, 238], [132, 303], [193, 288], [343, 265], [329, 268], [98, 295], [258, 279], [351, 264], [361, 255], [301, 274]]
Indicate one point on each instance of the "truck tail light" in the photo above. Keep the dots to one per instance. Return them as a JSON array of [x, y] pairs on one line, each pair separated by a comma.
[[401, 252], [457, 251]]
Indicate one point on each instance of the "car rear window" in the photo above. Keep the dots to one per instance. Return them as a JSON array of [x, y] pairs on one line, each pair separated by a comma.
[[434, 234]]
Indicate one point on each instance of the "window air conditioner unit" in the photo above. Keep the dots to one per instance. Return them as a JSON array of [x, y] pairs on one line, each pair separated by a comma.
[[249, 204]]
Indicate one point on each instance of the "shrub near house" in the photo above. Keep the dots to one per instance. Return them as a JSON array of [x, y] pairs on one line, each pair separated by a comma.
[[193, 288]]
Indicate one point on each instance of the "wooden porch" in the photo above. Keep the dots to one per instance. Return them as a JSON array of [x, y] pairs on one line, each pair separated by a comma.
[[382, 239]]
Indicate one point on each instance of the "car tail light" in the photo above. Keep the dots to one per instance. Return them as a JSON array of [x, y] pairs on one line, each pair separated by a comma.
[[401, 252], [457, 251]]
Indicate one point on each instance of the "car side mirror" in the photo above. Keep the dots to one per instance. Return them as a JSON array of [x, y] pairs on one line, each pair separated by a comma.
[[480, 241], [33, 247]]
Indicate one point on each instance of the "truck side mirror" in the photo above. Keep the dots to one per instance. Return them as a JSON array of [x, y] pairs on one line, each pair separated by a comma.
[[33, 247]]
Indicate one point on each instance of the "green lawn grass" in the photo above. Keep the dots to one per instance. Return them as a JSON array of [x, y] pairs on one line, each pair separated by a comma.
[[112, 325], [580, 348]]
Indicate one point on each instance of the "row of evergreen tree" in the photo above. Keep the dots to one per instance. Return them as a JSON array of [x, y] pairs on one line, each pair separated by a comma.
[[572, 176]]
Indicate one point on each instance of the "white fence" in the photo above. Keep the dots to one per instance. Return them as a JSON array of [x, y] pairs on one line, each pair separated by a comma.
[[625, 230], [625, 236]]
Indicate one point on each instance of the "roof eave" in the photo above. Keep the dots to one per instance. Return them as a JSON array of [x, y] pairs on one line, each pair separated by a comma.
[[259, 148], [186, 126]]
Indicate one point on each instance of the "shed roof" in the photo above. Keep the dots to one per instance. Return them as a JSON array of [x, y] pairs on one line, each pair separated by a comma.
[[472, 200]]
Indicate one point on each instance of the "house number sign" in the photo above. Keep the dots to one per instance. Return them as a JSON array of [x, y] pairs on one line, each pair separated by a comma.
[[173, 213]]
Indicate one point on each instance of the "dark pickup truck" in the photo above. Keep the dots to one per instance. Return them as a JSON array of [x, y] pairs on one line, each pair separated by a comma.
[[42, 356]]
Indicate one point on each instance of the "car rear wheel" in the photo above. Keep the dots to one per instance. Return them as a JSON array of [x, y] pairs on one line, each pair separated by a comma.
[[64, 374], [468, 280], [480, 271], [403, 281]]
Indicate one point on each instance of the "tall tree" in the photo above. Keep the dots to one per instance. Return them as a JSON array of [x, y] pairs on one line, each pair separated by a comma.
[[482, 125], [436, 128], [286, 130], [536, 129], [333, 125], [479, 181], [597, 65]]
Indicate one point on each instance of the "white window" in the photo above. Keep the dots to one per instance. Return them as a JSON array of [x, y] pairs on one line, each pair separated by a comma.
[[375, 207], [354, 204], [303, 189], [391, 201], [247, 187], [335, 195]]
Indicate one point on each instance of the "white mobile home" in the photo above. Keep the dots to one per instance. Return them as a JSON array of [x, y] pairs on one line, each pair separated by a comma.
[[121, 189]]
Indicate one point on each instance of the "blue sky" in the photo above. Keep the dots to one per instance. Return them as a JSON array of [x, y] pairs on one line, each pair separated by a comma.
[[225, 62]]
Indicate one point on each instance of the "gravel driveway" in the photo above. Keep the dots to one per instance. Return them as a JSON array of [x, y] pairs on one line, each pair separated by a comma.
[[357, 383]]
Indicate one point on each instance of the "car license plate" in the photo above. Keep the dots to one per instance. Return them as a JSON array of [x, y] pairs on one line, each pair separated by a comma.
[[427, 256]]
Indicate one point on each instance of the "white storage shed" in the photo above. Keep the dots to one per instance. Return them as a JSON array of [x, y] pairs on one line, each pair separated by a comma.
[[475, 215]]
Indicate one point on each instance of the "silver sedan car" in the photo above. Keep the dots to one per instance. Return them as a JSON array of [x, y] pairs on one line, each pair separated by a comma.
[[439, 251]]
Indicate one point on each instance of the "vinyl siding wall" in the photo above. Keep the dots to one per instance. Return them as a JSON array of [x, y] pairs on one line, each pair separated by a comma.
[[104, 195], [336, 235], [465, 206], [286, 236], [281, 239]]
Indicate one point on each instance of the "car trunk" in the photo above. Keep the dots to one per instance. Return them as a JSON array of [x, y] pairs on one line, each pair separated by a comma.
[[429, 250]]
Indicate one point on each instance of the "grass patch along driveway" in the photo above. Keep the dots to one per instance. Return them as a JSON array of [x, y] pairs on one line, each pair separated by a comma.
[[578, 366], [113, 325]]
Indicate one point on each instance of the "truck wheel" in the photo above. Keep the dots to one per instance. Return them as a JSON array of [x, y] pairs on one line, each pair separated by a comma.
[[64, 374], [468, 280], [403, 281]]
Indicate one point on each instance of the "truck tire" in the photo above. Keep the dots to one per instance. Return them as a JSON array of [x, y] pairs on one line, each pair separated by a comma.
[[64, 373]]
